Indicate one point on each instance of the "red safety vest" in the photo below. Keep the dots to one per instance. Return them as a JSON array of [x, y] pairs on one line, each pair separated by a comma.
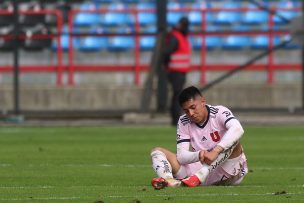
[[180, 59]]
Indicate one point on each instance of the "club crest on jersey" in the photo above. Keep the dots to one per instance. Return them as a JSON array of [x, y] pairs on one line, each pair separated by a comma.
[[215, 136]]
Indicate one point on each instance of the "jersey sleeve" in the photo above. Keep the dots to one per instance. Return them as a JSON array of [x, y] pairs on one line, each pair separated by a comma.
[[233, 126], [183, 134], [183, 139], [224, 116]]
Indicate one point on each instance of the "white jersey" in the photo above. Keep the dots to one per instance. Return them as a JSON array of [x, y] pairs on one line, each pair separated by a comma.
[[207, 135]]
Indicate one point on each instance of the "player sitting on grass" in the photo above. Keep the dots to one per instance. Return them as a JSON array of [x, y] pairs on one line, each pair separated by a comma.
[[208, 147]]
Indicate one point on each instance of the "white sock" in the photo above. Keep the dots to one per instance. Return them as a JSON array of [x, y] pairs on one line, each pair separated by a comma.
[[203, 173], [161, 165]]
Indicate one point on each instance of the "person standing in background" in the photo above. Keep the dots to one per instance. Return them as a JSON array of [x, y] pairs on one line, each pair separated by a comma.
[[177, 57]]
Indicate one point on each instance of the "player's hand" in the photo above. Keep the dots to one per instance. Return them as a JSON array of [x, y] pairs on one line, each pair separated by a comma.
[[201, 156], [209, 157]]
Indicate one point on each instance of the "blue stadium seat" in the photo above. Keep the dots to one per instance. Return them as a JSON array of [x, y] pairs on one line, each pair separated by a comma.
[[147, 43], [173, 15], [235, 42], [94, 43], [195, 17], [131, 1], [241, 28], [87, 19], [228, 17], [262, 42], [102, 1], [196, 42], [116, 19], [254, 17], [212, 42], [64, 39], [288, 15], [292, 44], [144, 17], [150, 29], [113, 18], [121, 43]]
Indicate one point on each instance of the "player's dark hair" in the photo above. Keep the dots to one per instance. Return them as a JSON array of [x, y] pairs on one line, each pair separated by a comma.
[[188, 93]]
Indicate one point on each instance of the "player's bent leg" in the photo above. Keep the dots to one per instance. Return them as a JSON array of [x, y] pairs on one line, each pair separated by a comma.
[[164, 163], [232, 172], [201, 175]]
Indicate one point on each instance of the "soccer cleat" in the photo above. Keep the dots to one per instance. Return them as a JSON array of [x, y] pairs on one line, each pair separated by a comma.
[[191, 181], [160, 183]]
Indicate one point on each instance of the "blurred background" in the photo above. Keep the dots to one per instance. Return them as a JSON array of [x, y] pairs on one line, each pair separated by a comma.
[[91, 59]]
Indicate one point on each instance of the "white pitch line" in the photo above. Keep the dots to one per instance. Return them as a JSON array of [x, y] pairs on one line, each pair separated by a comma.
[[5, 165], [149, 166], [45, 198], [204, 195], [27, 187], [148, 196]]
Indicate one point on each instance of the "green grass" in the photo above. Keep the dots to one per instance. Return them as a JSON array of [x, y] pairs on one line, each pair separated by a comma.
[[113, 165]]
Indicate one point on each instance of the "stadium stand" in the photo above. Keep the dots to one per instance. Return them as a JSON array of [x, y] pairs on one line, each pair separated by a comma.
[[144, 16], [174, 14], [113, 27], [5, 43], [228, 17], [262, 42], [254, 17], [94, 43], [116, 15], [34, 19], [196, 16], [65, 40], [234, 42], [6, 20], [287, 14], [212, 42], [85, 18], [32, 44], [121, 43]]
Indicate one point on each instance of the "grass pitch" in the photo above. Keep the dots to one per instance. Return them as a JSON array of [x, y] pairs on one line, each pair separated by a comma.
[[113, 165]]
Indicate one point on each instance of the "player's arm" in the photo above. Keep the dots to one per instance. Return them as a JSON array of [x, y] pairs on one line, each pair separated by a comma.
[[185, 156], [230, 138]]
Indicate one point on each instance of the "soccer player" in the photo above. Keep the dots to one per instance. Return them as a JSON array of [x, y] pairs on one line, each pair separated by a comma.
[[208, 147]]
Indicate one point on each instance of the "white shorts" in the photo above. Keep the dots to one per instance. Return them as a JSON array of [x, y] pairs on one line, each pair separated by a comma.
[[231, 172]]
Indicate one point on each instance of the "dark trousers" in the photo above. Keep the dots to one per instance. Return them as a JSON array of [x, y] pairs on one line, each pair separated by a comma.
[[177, 81]]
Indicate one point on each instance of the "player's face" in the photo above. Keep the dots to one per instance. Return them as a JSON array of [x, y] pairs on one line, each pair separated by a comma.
[[195, 109]]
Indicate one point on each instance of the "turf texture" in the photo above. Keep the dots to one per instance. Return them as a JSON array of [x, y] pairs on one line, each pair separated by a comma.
[[110, 164]]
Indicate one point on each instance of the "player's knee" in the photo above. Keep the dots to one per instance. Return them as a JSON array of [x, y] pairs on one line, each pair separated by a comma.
[[157, 149]]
